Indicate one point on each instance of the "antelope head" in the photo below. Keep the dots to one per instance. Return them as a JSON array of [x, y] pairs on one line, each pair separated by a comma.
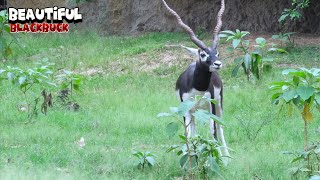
[[208, 56]]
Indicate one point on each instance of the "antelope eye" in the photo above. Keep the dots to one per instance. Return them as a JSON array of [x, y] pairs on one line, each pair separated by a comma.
[[202, 55]]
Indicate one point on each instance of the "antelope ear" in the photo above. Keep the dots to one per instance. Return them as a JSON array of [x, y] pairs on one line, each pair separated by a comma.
[[192, 51]]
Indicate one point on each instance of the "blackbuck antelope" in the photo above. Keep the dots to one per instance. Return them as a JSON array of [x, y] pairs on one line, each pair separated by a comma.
[[202, 78]]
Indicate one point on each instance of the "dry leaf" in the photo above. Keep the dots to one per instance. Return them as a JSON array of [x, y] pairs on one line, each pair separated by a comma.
[[306, 113]]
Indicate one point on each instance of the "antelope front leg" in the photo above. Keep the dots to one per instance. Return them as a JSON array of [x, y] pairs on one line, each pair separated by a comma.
[[220, 134], [225, 151], [188, 124], [193, 127], [212, 127]]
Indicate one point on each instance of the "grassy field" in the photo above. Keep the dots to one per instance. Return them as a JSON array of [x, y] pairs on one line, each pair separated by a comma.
[[132, 81]]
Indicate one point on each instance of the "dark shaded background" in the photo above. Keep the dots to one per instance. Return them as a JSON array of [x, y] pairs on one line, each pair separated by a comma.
[[138, 16]]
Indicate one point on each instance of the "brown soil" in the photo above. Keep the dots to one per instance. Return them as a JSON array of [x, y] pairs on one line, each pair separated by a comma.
[[175, 56]]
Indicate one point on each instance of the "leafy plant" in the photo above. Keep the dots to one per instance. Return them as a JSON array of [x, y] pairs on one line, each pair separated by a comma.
[[5, 49], [145, 158], [285, 38], [251, 61], [308, 161], [293, 13], [301, 90], [26, 79], [69, 79], [204, 154], [196, 153]]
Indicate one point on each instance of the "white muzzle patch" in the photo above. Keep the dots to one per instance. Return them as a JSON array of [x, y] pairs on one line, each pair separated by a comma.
[[215, 66]]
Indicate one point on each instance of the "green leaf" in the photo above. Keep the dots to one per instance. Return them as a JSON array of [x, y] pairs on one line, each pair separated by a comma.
[[22, 79], [277, 50], [295, 73], [235, 70], [299, 74], [287, 71], [289, 95], [230, 37], [283, 17], [238, 60], [186, 106], [221, 35], [174, 110], [276, 97], [296, 80], [235, 43], [315, 177], [279, 85], [244, 33], [289, 33], [182, 137], [296, 100], [179, 152], [138, 154], [6, 28], [295, 15], [10, 76], [172, 128], [256, 65], [3, 13], [183, 160], [228, 32], [204, 116], [305, 92], [171, 148], [260, 40], [51, 83], [317, 98], [247, 60], [317, 151], [282, 51], [315, 72], [214, 167], [164, 115], [297, 159], [305, 170], [76, 87], [151, 160], [286, 152]]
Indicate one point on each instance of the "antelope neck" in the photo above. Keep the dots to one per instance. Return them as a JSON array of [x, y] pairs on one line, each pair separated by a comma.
[[201, 78]]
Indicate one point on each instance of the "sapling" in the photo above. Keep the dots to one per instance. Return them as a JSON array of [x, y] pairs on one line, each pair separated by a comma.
[[252, 61], [292, 14], [196, 152], [27, 79], [302, 89], [144, 159], [69, 79]]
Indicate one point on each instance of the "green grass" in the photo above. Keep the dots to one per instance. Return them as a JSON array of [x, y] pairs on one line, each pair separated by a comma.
[[118, 114]]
